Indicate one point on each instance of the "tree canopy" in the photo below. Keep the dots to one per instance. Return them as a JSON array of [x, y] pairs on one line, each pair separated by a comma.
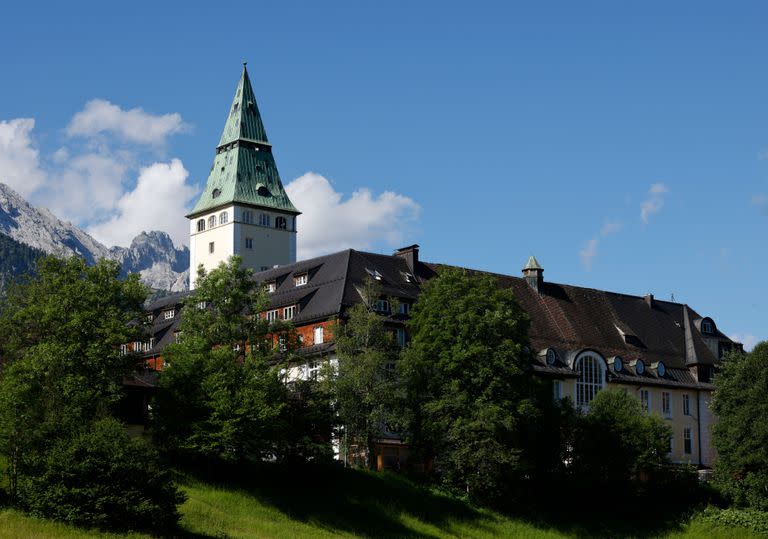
[[741, 432], [218, 394], [364, 385], [61, 380], [469, 379]]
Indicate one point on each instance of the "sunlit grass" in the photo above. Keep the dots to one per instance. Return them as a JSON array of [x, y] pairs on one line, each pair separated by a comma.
[[272, 502]]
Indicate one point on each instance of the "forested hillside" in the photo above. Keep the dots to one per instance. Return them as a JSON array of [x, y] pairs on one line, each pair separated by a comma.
[[15, 259]]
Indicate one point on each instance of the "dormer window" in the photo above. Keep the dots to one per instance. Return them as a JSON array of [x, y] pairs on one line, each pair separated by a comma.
[[301, 280], [270, 287], [216, 193], [200, 225], [382, 306], [707, 326], [169, 315]]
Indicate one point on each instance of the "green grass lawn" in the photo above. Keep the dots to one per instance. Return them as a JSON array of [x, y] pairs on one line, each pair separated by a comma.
[[271, 501]]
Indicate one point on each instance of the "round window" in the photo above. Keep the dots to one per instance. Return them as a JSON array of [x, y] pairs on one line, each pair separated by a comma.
[[617, 364], [551, 356], [661, 370], [639, 366]]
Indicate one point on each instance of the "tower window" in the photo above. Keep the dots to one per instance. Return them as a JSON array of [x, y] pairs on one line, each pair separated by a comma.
[[249, 243], [223, 218], [216, 193], [248, 217], [210, 247], [264, 219], [212, 221], [280, 223], [201, 225]]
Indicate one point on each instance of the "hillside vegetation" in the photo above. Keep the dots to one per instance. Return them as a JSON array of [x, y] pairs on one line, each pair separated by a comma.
[[15, 259], [299, 502]]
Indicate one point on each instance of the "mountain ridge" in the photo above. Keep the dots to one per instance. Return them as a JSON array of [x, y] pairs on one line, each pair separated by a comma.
[[152, 254]]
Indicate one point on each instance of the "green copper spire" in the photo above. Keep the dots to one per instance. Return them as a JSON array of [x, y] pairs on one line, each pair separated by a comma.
[[244, 120], [244, 170]]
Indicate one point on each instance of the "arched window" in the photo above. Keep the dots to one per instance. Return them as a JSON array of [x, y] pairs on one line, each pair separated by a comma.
[[212, 221], [591, 370], [201, 225], [280, 222], [223, 218]]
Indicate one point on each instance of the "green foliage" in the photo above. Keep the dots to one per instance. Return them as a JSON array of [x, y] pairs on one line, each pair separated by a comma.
[[616, 439], [750, 519], [218, 396], [66, 457], [469, 381], [58, 335], [102, 478], [16, 260], [364, 387], [741, 433]]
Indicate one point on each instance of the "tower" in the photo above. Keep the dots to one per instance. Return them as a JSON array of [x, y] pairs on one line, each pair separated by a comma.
[[243, 209]]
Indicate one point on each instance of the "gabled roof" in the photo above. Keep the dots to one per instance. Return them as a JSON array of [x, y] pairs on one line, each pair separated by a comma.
[[244, 170], [614, 324]]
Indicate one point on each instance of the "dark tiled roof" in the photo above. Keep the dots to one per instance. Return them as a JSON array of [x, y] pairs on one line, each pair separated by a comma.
[[576, 318]]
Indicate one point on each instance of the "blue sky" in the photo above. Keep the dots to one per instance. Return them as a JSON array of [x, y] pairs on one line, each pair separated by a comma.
[[626, 146]]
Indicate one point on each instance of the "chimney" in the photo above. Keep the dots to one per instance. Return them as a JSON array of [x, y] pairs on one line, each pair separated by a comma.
[[649, 300], [534, 274], [411, 256]]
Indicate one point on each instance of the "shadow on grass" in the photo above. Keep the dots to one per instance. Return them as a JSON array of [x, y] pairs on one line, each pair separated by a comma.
[[373, 504], [640, 510], [364, 503]]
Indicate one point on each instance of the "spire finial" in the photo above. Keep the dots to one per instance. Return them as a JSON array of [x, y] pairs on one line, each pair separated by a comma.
[[245, 63]]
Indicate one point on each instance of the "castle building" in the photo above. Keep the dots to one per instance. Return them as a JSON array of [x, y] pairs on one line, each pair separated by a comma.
[[244, 209], [582, 340]]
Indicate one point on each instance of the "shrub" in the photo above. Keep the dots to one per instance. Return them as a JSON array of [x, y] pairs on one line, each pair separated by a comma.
[[102, 478], [751, 519]]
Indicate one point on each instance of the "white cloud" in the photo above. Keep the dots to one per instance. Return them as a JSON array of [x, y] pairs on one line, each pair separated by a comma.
[[747, 339], [85, 187], [654, 202], [133, 125], [588, 253], [330, 223], [158, 202], [19, 159], [610, 227]]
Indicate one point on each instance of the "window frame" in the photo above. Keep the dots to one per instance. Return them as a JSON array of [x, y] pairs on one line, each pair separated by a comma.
[[592, 365], [645, 400], [223, 218], [212, 221], [272, 315], [318, 331], [201, 225], [301, 279], [666, 404], [289, 309], [688, 441], [686, 404]]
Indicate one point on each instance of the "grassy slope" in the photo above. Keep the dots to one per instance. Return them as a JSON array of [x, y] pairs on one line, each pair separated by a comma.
[[270, 502]]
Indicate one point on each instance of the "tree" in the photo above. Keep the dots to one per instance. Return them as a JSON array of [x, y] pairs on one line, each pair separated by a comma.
[[62, 377], [469, 380], [218, 394], [58, 336], [616, 439], [741, 432], [365, 384], [101, 477]]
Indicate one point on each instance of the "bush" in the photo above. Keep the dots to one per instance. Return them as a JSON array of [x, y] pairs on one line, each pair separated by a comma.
[[617, 439], [751, 519], [102, 478]]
